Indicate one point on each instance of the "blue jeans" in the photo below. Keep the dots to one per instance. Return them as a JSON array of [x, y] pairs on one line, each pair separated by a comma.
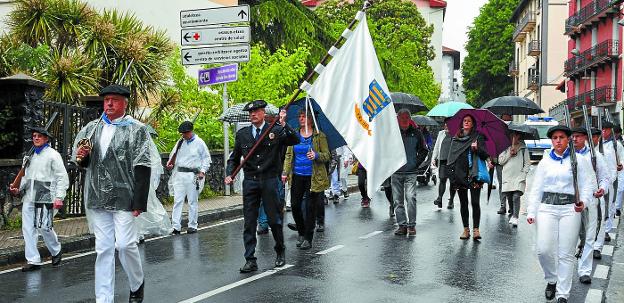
[[263, 221]]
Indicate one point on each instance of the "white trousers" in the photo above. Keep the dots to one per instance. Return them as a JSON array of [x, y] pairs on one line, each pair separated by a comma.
[[184, 187], [557, 234], [115, 229], [287, 196], [600, 237], [31, 234], [585, 263], [611, 208]]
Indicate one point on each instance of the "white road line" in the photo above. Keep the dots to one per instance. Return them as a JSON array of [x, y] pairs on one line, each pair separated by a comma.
[[593, 296], [607, 250], [601, 272], [147, 240], [225, 288], [323, 252], [613, 236], [371, 234]]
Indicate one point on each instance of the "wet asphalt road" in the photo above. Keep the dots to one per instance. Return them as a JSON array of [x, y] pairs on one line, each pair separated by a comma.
[[373, 265]]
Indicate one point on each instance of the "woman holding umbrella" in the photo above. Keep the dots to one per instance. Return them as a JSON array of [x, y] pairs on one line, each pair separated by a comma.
[[466, 146], [305, 167], [552, 207]]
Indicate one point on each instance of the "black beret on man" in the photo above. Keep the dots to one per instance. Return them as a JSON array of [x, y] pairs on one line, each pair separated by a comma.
[[595, 131], [115, 89], [40, 130], [579, 130], [186, 126], [255, 104], [607, 124], [562, 128]]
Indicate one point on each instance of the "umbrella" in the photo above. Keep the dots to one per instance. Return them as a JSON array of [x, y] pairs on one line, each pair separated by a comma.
[[236, 114], [513, 105], [424, 120], [493, 128], [334, 139], [527, 132], [447, 109], [407, 101]]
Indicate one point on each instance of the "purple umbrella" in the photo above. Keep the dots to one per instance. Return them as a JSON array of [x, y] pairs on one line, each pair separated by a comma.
[[493, 128]]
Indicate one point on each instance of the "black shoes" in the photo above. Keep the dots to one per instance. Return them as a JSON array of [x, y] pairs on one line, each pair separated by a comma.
[[262, 230], [585, 279], [320, 228], [336, 199], [618, 212], [292, 226], [30, 267], [438, 202], [607, 237], [597, 254], [502, 211], [345, 193], [191, 230], [249, 266], [304, 246], [137, 296], [562, 300], [175, 232], [56, 260], [450, 205], [300, 241], [280, 260], [550, 291]]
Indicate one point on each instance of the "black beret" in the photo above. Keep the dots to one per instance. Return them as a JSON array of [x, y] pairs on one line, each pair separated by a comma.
[[617, 128], [255, 104], [607, 124], [186, 126], [115, 89], [562, 128], [40, 130], [579, 130], [595, 131]]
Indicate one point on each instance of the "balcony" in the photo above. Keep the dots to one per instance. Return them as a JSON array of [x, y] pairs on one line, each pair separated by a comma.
[[526, 24], [596, 97], [533, 82], [600, 53], [590, 13], [513, 69], [534, 48]]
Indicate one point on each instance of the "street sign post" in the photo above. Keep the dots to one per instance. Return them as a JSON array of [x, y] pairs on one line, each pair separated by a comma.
[[210, 16], [221, 74], [216, 54], [215, 35]]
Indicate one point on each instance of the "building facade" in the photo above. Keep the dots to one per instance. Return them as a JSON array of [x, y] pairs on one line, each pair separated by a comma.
[[537, 68], [594, 65], [451, 89]]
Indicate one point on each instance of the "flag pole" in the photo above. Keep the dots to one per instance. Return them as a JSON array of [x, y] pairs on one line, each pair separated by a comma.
[[317, 70]]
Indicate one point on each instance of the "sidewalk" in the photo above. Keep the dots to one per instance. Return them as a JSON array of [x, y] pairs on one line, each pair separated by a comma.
[[74, 232], [615, 291]]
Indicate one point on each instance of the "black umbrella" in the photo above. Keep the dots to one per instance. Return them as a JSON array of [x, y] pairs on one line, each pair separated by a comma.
[[512, 105], [527, 132], [407, 101], [424, 120]]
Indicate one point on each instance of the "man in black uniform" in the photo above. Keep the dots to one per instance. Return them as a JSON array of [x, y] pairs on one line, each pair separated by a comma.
[[261, 178]]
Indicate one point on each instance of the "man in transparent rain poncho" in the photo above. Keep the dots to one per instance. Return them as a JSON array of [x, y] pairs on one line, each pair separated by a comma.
[[118, 166]]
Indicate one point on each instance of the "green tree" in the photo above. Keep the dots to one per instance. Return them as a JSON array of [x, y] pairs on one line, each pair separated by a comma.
[[87, 49], [490, 50], [402, 42]]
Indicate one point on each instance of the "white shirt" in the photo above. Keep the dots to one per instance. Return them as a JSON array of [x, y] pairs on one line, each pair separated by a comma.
[[193, 154], [108, 130], [555, 176], [253, 129], [610, 159]]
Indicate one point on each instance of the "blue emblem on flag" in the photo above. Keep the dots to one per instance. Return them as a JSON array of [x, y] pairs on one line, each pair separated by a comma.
[[377, 100]]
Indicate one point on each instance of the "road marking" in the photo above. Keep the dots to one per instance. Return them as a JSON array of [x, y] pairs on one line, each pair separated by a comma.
[[371, 234], [607, 250], [601, 272], [225, 288], [147, 240], [323, 252], [594, 296], [613, 236]]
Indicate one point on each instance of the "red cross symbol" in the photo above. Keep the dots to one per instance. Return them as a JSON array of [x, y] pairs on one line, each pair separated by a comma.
[[196, 36]]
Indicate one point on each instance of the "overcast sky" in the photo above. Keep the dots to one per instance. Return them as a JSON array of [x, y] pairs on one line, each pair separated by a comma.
[[459, 15]]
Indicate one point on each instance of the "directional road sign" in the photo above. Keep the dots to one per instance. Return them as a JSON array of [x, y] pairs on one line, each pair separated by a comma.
[[216, 54], [221, 74], [209, 16], [215, 35]]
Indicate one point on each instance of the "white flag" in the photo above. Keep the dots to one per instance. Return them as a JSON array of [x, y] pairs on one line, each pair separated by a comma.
[[353, 94]]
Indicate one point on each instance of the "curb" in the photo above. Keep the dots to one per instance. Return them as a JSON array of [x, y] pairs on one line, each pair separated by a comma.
[[77, 243], [615, 292]]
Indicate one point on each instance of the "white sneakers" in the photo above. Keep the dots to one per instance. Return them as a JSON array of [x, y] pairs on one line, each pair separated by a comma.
[[513, 221]]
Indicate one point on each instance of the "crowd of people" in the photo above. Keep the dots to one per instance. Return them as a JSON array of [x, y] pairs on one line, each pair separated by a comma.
[[573, 198]]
